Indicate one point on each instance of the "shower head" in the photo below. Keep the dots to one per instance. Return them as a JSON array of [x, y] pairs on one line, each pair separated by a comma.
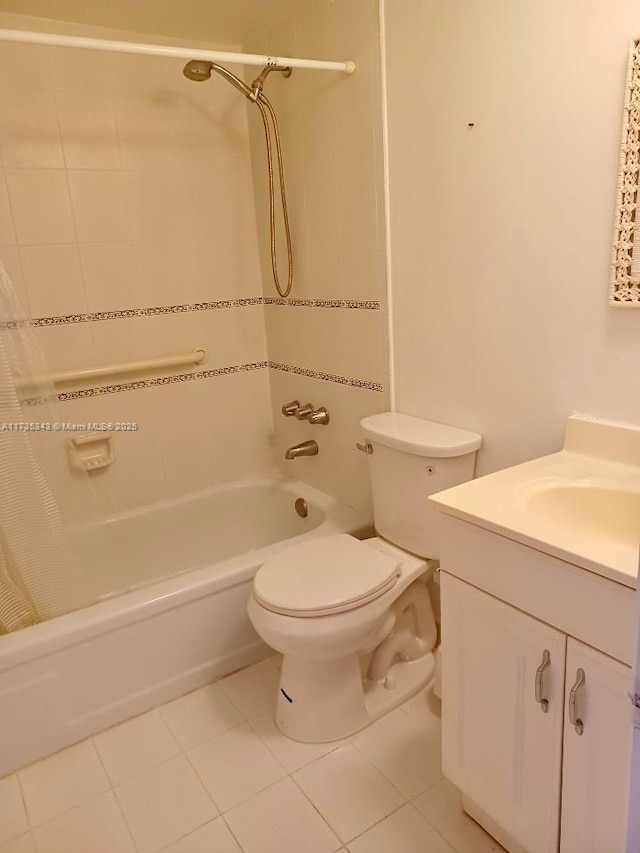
[[200, 69], [197, 70]]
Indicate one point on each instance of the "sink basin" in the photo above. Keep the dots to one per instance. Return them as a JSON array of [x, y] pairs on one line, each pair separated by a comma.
[[581, 504], [600, 511]]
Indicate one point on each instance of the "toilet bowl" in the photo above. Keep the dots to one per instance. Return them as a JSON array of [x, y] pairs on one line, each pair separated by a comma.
[[353, 619], [324, 623]]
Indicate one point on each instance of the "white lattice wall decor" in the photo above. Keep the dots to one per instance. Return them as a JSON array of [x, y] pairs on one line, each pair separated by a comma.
[[625, 278]]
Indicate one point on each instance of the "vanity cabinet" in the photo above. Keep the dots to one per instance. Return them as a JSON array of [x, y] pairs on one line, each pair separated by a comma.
[[595, 765], [516, 692]]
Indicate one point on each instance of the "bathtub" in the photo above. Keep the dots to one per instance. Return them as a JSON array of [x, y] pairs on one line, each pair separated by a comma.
[[171, 616]]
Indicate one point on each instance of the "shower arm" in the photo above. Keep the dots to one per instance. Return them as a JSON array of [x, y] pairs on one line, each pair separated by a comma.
[[258, 84]]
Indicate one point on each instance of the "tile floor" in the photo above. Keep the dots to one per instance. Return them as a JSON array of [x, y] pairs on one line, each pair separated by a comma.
[[210, 773]]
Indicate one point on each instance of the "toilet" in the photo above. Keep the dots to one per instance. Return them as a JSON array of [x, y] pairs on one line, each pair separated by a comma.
[[353, 619]]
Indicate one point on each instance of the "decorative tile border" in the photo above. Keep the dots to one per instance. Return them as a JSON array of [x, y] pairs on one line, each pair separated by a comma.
[[99, 391], [369, 305], [155, 311], [327, 377]]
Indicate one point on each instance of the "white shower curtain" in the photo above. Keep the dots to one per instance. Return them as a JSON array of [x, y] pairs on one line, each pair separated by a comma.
[[38, 577]]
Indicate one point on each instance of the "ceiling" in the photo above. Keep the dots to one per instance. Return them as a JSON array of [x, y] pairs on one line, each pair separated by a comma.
[[228, 22]]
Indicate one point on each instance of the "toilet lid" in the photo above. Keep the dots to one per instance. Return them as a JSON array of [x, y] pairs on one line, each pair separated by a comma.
[[324, 575]]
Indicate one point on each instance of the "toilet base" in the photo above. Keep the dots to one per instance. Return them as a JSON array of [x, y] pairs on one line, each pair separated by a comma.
[[322, 701]]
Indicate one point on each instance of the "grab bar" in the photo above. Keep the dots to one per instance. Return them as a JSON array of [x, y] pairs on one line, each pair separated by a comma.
[[196, 356]]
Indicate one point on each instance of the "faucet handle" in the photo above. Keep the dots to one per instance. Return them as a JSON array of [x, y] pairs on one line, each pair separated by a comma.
[[291, 409], [304, 412], [319, 416]]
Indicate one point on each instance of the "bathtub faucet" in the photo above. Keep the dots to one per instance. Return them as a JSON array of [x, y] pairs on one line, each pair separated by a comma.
[[305, 448]]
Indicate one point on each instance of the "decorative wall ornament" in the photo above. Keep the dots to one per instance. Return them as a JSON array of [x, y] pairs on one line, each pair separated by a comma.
[[625, 279]]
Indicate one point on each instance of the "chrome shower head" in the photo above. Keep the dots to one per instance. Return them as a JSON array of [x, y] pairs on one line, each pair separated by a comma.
[[200, 69], [197, 70]]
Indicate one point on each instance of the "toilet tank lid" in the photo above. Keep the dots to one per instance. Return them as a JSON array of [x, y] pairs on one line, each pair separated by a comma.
[[417, 436]]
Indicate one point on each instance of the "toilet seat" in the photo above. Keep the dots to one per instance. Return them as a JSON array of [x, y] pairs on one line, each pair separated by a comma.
[[327, 575]]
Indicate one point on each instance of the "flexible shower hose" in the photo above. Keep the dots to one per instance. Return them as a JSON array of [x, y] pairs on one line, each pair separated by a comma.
[[266, 111]]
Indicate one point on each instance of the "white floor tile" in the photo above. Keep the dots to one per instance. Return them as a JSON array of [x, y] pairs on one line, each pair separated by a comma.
[[290, 753], [253, 690], [135, 746], [343, 797], [235, 765], [200, 715], [23, 844], [348, 792], [424, 704], [96, 826], [13, 818], [213, 837], [405, 748], [401, 833], [442, 807], [62, 781], [164, 804], [281, 819]]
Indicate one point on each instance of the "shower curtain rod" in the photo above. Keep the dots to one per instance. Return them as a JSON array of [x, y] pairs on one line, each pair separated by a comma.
[[54, 40]]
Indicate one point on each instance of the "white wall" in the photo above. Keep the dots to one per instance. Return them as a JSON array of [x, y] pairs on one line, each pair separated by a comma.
[[501, 233]]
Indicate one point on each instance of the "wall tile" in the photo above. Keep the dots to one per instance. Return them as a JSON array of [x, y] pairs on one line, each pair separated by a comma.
[[10, 257], [362, 262], [111, 276], [153, 336], [41, 206], [66, 347], [142, 131], [139, 473], [25, 66], [29, 132], [331, 129], [99, 206], [88, 128], [225, 456], [53, 278], [135, 189], [7, 231], [80, 71]]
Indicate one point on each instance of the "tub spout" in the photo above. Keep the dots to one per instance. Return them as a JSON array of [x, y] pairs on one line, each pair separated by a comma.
[[305, 448]]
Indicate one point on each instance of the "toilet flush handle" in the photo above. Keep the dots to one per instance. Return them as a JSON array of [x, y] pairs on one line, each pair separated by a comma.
[[367, 447]]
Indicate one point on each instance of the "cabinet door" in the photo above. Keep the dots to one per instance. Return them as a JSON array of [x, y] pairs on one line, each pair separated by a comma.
[[499, 747], [596, 763]]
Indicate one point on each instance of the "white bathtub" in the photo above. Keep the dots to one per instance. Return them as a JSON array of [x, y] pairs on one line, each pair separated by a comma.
[[152, 640]]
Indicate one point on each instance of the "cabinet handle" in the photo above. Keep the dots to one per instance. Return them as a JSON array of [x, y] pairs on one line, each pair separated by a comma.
[[546, 662], [573, 700]]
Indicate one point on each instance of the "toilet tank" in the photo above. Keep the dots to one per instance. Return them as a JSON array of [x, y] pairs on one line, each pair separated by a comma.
[[412, 459]]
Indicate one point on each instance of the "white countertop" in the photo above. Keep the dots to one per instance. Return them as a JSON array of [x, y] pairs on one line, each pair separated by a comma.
[[599, 533]]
